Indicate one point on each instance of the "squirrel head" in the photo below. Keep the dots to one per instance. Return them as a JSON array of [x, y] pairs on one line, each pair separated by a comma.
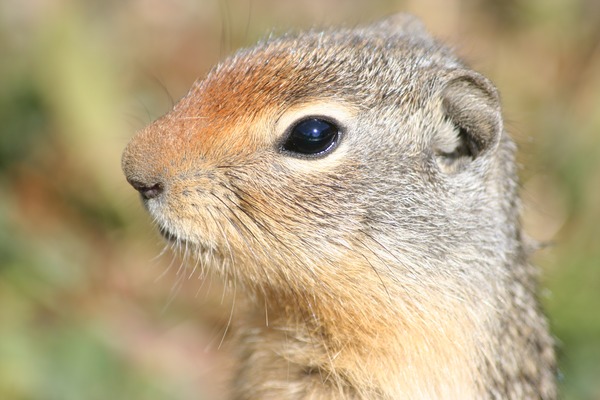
[[329, 158], [358, 183]]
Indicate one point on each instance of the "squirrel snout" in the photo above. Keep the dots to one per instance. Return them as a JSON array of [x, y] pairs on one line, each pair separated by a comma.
[[148, 190], [141, 168]]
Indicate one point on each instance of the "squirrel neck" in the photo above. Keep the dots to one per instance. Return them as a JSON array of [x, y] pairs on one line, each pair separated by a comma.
[[418, 340], [429, 344]]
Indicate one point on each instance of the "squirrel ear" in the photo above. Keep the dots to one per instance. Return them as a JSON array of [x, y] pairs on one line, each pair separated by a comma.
[[403, 24], [471, 107]]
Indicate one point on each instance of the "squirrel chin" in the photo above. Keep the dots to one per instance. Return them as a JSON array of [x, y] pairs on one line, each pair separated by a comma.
[[199, 252]]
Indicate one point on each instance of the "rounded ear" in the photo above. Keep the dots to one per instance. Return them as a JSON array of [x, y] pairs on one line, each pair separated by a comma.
[[471, 106]]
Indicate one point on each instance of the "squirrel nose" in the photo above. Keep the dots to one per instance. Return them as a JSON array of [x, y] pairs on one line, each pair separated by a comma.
[[147, 190]]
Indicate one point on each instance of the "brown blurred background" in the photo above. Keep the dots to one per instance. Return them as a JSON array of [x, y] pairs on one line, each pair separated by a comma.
[[90, 309]]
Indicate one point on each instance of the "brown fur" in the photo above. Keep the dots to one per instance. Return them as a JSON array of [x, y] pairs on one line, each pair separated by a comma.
[[394, 267]]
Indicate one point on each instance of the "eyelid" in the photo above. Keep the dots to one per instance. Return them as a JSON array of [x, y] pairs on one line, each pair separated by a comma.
[[335, 112]]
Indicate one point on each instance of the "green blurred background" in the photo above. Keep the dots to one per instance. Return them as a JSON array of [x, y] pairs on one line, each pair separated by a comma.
[[87, 310]]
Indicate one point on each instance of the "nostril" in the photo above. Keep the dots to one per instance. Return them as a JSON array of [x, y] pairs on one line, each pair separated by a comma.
[[148, 191]]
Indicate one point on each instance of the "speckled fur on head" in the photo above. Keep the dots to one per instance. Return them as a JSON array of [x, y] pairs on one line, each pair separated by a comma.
[[393, 267]]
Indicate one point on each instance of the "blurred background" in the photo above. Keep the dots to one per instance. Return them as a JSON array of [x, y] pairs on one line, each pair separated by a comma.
[[91, 309]]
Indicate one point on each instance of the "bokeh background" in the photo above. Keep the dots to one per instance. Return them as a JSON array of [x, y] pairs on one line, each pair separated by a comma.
[[91, 309]]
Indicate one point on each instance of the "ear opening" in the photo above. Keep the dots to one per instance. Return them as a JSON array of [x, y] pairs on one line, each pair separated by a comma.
[[472, 120]]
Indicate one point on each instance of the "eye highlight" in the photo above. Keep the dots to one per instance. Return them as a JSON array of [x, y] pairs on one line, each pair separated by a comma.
[[312, 137]]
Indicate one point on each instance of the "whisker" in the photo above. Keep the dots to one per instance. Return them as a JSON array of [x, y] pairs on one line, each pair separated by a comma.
[[161, 253], [230, 317], [266, 313], [178, 284], [203, 282], [192, 118], [375, 269], [301, 262], [183, 258], [242, 236], [166, 271], [195, 267], [266, 229]]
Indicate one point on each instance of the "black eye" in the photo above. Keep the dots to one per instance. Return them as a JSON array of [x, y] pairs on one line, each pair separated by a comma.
[[312, 136]]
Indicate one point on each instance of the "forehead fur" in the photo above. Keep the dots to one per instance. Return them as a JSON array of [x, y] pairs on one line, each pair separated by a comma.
[[354, 65], [231, 112]]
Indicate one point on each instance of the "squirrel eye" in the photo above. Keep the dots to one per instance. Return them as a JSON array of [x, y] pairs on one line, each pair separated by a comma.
[[312, 136]]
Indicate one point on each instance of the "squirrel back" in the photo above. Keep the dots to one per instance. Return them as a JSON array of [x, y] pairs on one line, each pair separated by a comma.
[[359, 187]]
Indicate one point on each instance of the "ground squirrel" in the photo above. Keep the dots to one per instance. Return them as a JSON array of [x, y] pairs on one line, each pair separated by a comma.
[[358, 187]]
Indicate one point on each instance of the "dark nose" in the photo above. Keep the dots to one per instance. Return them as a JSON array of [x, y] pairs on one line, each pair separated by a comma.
[[147, 190]]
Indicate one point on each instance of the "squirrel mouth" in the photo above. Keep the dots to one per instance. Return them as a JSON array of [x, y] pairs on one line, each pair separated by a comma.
[[178, 242]]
